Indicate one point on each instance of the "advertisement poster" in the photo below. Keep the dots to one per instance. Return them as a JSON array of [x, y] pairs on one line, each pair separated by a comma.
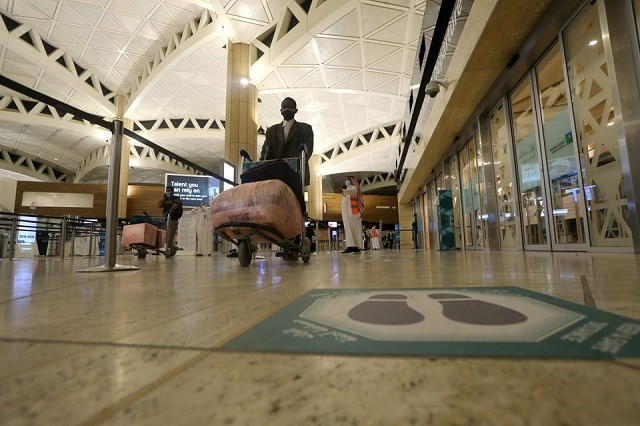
[[193, 190]]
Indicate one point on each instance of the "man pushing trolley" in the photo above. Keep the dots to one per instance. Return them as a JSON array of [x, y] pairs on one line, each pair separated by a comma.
[[269, 204]]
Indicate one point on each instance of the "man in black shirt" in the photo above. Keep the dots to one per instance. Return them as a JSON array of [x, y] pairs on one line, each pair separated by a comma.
[[172, 206]]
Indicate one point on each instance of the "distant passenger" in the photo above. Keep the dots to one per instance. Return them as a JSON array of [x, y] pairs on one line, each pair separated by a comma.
[[375, 239], [283, 140], [171, 206], [352, 208]]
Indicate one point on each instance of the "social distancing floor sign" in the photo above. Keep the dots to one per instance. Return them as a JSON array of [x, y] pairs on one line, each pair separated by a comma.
[[462, 321]]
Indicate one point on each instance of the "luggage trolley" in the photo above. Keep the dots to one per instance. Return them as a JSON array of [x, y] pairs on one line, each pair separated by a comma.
[[141, 250], [245, 235]]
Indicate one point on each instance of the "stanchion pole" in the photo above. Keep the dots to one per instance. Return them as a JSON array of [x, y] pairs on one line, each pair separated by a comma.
[[63, 237], [14, 238], [91, 241], [73, 240], [113, 187]]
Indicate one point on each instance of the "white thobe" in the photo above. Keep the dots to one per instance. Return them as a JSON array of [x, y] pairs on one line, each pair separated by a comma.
[[352, 222], [375, 243], [202, 226]]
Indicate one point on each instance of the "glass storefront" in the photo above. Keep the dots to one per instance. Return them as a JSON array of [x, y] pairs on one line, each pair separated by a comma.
[[596, 126], [432, 218], [453, 183], [482, 222], [502, 154], [556, 171], [470, 158], [534, 228]]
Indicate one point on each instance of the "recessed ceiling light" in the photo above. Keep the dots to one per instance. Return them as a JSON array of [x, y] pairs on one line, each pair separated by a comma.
[[610, 123], [593, 42], [55, 159]]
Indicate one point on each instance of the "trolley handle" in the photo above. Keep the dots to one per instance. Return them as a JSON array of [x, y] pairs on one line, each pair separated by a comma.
[[244, 154]]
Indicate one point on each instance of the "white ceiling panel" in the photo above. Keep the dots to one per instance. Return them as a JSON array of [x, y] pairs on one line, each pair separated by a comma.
[[347, 26], [353, 75], [374, 17]]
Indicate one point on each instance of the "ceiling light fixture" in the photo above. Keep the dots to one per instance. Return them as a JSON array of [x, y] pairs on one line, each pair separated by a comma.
[[593, 42], [244, 81]]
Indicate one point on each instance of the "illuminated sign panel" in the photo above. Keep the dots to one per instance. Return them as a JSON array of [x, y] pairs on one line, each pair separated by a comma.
[[193, 190]]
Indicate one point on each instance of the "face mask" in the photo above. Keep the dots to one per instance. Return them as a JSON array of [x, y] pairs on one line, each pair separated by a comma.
[[168, 194], [287, 114], [347, 182]]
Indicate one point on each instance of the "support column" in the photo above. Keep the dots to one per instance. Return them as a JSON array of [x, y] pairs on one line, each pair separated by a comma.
[[241, 127], [315, 189], [124, 163], [405, 217]]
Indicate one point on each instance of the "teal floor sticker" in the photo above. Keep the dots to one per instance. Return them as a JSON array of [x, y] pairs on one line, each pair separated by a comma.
[[461, 321]]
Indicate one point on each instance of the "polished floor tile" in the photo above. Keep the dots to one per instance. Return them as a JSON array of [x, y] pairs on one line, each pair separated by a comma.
[[145, 346]]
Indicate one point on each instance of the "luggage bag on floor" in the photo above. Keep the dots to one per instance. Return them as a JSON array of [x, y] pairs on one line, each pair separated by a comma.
[[269, 203]]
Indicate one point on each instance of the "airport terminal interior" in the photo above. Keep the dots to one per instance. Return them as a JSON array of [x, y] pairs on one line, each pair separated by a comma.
[[452, 238]]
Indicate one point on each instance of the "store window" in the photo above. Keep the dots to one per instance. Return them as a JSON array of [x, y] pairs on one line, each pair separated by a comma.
[[596, 125], [432, 215], [453, 183], [529, 166], [467, 202], [501, 150], [564, 184], [477, 188]]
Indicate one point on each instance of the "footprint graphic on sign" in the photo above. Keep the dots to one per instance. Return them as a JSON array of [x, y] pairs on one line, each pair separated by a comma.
[[385, 309], [461, 308]]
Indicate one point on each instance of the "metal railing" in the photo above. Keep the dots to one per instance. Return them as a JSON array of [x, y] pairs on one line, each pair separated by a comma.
[[59, 230]]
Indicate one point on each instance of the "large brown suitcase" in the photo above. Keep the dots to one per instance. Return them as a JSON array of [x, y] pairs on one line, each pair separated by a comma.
[[270, 203], [141, 233]]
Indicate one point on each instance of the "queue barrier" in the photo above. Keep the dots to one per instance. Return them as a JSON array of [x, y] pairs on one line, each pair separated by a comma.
[[68, 226]]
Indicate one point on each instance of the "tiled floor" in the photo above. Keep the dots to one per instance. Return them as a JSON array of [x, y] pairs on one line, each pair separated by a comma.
[[144, 347]]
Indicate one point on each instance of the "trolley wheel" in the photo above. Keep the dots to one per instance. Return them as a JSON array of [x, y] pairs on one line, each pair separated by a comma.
[[305, 250], [244, 253], [141, 253]]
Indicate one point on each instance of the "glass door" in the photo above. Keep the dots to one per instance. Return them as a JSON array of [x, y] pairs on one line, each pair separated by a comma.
[[470, 184], [467, 203], [596, 125], [432, 215], [529, 166], [503, 169], [453, 183], [477, 192], [563, 175]]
